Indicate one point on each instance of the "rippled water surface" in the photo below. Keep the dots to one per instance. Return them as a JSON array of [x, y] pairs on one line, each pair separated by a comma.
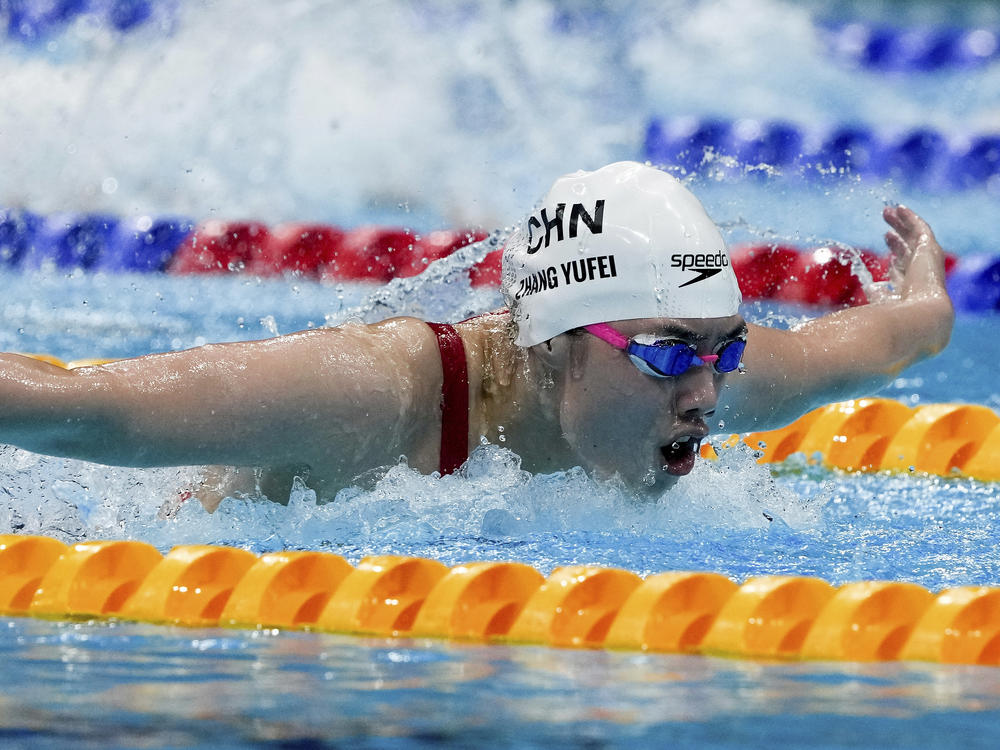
[[109, 685]]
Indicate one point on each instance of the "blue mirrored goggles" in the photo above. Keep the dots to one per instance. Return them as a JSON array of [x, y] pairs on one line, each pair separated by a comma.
[[665, 358]]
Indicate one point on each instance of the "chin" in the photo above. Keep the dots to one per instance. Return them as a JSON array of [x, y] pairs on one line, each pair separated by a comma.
[[633, 483], [663, 483], [631, 475]]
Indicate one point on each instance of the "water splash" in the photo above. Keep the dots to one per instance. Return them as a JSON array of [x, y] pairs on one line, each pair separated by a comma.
[[441, 292], [389, 509]]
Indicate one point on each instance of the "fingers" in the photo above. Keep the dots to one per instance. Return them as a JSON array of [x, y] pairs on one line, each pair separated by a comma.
[[895, 244], [916, 264], [891, 215], [899, 256], [898, 216], [910, 227]]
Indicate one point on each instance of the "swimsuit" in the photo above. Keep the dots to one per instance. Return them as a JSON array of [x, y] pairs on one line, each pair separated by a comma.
[[454, 398]]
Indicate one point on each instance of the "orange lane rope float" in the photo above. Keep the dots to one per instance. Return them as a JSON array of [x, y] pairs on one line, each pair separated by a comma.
[[876, 434], [773, 617]]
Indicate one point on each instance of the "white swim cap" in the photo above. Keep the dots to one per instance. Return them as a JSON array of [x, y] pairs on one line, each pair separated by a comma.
[[625, 241]]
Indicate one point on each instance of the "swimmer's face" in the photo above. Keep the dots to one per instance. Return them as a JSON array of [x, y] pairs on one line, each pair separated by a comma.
[[642, 428]]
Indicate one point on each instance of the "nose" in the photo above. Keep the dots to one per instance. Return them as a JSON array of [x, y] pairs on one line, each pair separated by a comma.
[[697, 392]]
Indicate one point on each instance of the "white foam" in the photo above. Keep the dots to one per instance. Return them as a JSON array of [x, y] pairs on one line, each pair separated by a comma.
[[491, 497]]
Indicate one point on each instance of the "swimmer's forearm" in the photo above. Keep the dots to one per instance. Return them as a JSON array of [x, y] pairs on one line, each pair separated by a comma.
[[121, 415], [854, 352], [47, 409], [847, 354], [870, 346], [318, 397]]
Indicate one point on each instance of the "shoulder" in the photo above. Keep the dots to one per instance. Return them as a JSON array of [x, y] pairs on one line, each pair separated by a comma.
[[385, 375], [394, 340]]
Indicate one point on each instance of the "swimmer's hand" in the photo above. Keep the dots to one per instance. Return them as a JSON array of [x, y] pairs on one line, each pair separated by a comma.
[[916, 270], [916, 260]]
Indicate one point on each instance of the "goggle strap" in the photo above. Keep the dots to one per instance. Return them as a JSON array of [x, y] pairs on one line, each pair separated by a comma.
[[606, 333]]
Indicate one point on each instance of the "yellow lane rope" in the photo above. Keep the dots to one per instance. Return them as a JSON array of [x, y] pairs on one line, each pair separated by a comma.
[[783, 617]]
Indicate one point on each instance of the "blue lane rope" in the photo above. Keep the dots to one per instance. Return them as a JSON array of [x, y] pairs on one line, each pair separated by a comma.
[[97, 242], [882, 47], [32, 21], [921, 157], [867, 45]]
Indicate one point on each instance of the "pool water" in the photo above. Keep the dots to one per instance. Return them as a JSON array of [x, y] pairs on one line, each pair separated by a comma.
[[404, 135], [86, 685]]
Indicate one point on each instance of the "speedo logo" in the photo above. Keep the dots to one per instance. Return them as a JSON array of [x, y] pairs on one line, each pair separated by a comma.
[[706, 264]]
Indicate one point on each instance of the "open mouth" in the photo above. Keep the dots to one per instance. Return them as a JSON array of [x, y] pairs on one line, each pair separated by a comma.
[[679, 456]]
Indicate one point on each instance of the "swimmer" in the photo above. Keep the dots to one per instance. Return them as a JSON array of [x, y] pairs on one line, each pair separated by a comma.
[[622, 347]]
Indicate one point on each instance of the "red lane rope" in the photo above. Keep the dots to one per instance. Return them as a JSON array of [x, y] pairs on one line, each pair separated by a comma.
[[823, 276]]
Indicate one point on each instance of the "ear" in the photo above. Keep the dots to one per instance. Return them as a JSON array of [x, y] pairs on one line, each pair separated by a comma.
[[564, 352], [552, 353]]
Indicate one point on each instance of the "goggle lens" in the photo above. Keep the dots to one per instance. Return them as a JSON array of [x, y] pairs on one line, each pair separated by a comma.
[[730, 356]]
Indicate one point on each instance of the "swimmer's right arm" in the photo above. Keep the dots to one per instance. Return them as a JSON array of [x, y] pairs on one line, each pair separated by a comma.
[[298, 398]]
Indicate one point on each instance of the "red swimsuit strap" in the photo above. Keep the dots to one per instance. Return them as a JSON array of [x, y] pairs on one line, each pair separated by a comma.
[[454, 398]]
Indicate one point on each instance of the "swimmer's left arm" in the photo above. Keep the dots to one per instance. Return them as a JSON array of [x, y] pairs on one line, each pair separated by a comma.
[[848, 353]]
